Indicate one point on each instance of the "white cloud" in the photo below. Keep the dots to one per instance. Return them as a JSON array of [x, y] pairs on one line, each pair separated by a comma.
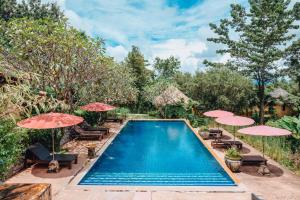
[[157, 29], [118, 52], [186, 51]]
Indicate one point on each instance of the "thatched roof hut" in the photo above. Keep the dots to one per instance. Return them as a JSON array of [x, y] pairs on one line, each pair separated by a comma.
[[170, 96], [279, 93]]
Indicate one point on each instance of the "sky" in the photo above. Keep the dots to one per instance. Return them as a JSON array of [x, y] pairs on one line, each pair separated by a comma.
[[160, 28]]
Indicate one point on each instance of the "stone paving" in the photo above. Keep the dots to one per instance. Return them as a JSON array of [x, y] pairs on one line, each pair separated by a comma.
[[281, 184]]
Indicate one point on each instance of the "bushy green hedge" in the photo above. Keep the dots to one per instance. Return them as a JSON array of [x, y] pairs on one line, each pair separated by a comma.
[[13, 141]]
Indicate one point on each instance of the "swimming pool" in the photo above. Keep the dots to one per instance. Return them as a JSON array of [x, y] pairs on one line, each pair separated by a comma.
[[160, 153]]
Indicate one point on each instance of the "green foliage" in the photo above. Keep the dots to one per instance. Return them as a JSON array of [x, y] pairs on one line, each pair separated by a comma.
[[12, 143], [29, 8], [233, 154], [166, 68], [262, 33], [90, 117], [221, 88], [174, 111], [197, 121], [290, 123]]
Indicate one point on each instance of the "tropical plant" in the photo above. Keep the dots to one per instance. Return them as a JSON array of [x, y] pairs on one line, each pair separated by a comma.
[[18, 98], [233, 154], [290, 123]]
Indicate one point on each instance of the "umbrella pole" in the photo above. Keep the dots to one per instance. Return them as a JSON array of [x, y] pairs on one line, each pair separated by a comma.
[[52, 133], [263, 143], [234, 134]]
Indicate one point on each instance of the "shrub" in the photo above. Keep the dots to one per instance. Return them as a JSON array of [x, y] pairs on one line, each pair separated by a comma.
[[12, 144]]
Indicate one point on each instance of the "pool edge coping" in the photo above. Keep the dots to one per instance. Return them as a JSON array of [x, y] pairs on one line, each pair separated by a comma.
[[80, 175]]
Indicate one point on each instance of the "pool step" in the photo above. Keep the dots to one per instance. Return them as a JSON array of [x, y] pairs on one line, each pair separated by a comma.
[[156, 179]]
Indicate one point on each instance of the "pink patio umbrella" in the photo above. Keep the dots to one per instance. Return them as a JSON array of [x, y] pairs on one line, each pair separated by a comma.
[[217, 114], [50, 121], [264, 131], [235, 121]]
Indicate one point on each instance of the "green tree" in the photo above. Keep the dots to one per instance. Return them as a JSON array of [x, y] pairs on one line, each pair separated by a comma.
[[222, 88], [166, 68], [31, 9], [259, 39], [65, 61], [185, 82], [136, 63]]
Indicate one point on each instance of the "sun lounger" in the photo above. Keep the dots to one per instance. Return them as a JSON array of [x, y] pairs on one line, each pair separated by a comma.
[[114, 119], [88, 135], [37, 153], [88, 127], [215, 133], [253, 160], [226, 144]]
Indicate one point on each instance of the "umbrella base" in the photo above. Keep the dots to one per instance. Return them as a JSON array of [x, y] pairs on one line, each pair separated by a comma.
[[263, 170], [53, 166]]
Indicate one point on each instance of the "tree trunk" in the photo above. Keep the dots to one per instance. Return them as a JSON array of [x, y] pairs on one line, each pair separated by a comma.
[[261, 96]]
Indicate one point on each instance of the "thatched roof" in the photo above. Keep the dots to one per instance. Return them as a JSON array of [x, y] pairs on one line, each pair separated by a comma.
[[279, 93], [170, 96]]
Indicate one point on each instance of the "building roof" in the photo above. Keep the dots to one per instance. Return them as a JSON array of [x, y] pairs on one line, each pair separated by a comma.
[[279, 93], [170, 96]]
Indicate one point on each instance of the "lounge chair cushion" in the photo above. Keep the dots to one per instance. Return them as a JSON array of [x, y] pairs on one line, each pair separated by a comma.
[[253, 159], [39, 151], [43, 154]]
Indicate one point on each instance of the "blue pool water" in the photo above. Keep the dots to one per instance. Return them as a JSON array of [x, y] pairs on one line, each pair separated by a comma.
[[157, 153]]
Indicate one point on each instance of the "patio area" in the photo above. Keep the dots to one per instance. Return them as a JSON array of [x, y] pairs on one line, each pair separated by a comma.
[[281, 184]]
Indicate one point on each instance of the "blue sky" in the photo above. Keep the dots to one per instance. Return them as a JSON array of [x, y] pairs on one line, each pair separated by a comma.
[[158, 27]]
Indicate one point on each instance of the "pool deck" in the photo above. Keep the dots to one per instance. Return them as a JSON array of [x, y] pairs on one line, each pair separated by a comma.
[[281, 184]]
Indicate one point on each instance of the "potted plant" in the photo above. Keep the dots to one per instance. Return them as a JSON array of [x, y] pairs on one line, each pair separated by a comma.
[[203, 132], [233, 159]]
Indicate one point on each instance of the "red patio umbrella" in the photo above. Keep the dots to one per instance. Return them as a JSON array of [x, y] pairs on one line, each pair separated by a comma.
[[97, 107], [264, 131], [235, 121], [50, 121]]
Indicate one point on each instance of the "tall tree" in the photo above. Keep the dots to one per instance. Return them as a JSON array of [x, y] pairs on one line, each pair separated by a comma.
[[30, 8], [167, 68], [259, 40], [136, 62]]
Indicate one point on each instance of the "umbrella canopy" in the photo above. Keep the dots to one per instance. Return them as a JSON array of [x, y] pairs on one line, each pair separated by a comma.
[[97, 107], [235, 121], [50, 121], [218, 113], [264, 131]]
